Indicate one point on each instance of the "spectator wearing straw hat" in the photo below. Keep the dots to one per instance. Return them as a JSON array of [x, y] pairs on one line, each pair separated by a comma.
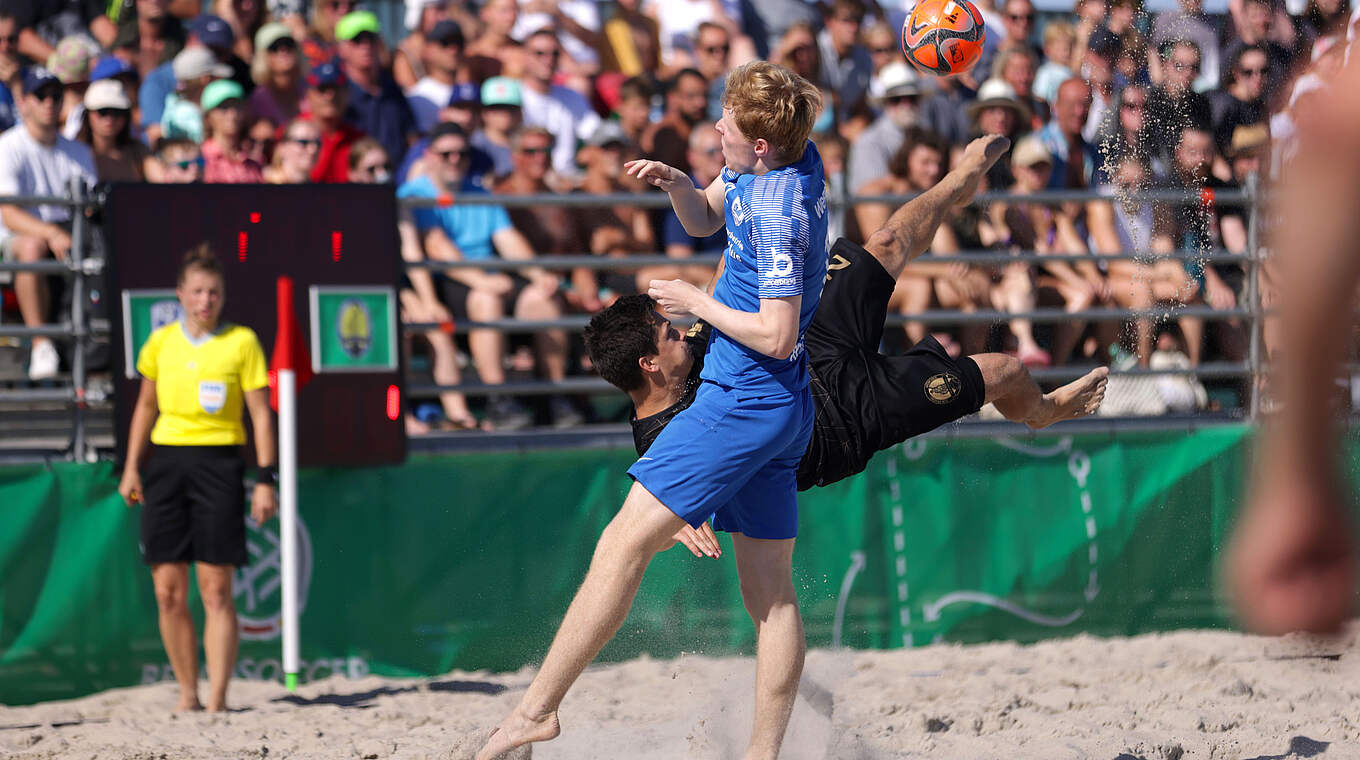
[[224, 156], [376, 104], [279, 73], [997, 111], [106, 126], [327, 97], [36, 160]]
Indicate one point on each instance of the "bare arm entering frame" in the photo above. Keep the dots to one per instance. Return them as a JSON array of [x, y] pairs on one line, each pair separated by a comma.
[[700, 211]]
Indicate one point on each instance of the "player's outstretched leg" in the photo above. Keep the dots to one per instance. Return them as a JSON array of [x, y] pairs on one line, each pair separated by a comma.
[[642, 528], [910, 229], [1015, 394]]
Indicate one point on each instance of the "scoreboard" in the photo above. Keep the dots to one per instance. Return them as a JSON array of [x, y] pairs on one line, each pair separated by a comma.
[[339, 245]]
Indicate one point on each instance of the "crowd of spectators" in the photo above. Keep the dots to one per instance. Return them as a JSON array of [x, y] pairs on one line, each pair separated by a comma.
[[525, 97]]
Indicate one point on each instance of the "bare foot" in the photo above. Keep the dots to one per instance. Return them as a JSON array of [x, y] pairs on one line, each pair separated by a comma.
[[190, 704], [1078, 398], [518, 730], [217, 708]]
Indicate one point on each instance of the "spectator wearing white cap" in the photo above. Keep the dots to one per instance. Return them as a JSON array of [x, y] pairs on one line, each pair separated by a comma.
[[871, 151], [106, 127], [36, 160], [195, 68]]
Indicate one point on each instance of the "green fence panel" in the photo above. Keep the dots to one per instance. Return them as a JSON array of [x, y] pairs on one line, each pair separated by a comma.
[[469, 561]]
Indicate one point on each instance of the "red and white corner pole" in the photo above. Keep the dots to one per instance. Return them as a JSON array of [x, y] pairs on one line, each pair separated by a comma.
[[288, 495]]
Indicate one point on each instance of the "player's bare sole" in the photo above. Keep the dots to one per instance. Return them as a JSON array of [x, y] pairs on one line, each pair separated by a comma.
[[518, 730], [1079, 398]]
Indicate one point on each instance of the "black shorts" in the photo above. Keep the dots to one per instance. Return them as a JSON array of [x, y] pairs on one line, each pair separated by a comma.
[[455, 295], [865, 401], [193, 505]]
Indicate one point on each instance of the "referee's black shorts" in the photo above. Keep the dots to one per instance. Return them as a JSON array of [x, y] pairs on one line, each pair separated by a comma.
[[879, 400], [193, 505]]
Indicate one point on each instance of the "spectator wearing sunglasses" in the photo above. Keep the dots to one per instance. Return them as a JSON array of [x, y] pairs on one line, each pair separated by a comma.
[[326, 100], [871, 152], [278, 71], [1189, 23], [106, 127], [562, 111], [36, 160], [376, 104], [296, 154], [178, 162], [1242, 101]]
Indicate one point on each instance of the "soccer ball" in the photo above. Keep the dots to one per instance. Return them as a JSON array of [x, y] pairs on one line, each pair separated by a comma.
[[943, 37]]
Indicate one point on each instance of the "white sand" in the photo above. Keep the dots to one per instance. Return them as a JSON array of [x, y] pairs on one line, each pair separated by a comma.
[[1193, 694]]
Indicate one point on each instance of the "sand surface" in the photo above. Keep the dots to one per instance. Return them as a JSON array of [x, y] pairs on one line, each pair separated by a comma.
[[1192, 694]]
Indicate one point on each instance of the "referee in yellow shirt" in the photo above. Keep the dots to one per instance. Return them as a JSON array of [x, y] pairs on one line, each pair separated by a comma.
[[196, 373]]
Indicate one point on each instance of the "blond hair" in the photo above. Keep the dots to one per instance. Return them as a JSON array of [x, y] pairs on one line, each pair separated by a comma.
[[1059, 30], [772, 103]]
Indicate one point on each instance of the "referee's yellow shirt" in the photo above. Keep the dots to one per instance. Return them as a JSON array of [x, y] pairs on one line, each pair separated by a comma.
[[200, 386]]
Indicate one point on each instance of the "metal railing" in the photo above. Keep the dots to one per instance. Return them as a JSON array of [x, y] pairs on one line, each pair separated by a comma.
[[76, 326]]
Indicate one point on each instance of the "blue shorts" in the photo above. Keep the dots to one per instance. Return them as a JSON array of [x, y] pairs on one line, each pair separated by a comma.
[[734, 456]]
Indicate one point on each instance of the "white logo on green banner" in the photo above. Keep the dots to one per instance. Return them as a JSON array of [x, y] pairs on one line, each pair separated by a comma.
[[144, 312], [354, 329]]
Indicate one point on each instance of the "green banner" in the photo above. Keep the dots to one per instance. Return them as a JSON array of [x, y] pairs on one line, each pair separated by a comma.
[[144, 312], [470, 561], [354, 329]]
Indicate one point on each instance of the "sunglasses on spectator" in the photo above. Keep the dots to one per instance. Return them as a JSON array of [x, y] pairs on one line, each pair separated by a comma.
[[889, 50], [1183, 66], [716, 49], [1026, 17], [365, 38], [899, 99], [47, 93], [109, 113], [542, 53], [1251, 72], [345, 5], [188, 163], [1132, 105], [11, 39], [305, 142], [371, 168], [453, 155], [535, 151], [283, 45]]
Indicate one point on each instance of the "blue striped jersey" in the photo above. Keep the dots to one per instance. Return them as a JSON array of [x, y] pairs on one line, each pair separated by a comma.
[[776, 233]]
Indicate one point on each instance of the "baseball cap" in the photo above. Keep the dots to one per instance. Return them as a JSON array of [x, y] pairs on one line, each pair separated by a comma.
[[355, 23], [607, 133], [501, 91], [446, 31], [271, 33], [897, 79], [110, 66], [38, 77], [218, 93], [446, 128], [197, 61], [213, 31], [72, 58], [326, 75], [464, 93], [106, 93], [1029, 151]]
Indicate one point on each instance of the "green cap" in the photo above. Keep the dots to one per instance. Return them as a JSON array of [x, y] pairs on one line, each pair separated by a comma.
[[356, 23], [218, 93]]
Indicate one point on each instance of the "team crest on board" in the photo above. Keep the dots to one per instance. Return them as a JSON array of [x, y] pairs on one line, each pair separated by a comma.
[[943, 388], [354, 325]]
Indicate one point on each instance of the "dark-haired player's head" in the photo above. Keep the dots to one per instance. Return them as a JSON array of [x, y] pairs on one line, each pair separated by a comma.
[[629, 341]]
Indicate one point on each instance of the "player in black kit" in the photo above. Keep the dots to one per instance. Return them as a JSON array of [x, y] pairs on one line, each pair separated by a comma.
[[865, 401]]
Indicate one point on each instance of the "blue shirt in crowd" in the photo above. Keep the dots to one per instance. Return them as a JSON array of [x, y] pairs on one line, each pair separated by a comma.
[[469, 227]]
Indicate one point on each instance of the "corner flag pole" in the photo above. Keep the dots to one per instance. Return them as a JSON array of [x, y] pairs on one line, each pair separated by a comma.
[[286, 369]]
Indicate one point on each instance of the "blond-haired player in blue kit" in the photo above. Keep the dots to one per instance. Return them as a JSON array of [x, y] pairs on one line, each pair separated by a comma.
[[735, 451]]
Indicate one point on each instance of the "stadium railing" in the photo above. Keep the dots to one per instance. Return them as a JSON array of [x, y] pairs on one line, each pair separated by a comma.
[[83, 399]]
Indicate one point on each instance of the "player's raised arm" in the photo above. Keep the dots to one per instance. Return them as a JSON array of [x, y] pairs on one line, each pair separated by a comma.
[[700, 211]]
